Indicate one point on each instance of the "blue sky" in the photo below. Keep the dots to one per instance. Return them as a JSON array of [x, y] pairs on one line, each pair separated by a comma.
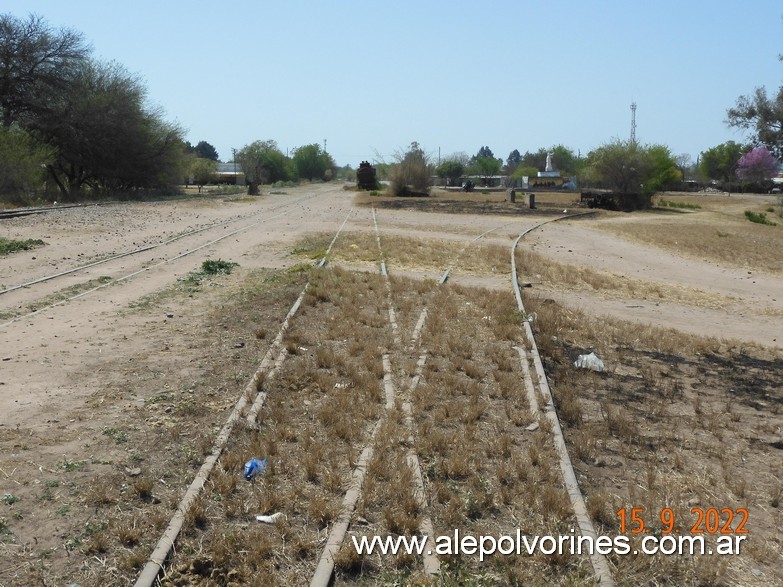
[[370, 77]]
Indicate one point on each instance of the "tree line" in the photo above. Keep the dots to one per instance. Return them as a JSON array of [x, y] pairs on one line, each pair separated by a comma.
[[85, 127], [76, 122]]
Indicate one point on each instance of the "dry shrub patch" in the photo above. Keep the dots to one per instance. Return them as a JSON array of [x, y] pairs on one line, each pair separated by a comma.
[[677, 421]]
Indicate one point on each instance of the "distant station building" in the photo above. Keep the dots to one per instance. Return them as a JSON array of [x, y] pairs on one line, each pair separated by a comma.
[[230, 173]]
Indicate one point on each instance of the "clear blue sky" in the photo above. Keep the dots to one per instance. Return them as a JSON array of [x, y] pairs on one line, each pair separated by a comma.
[[370, 77]]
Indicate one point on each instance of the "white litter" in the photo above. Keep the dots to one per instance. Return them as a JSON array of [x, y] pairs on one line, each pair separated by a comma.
[[590, 361], [270, 519]]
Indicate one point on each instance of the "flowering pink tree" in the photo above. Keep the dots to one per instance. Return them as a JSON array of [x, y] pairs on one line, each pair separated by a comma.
[[756, 165]]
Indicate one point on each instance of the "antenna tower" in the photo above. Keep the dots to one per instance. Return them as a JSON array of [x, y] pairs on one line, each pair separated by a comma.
[[633, 122]]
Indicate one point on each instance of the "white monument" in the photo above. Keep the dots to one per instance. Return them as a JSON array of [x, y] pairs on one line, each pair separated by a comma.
[[550, 170]]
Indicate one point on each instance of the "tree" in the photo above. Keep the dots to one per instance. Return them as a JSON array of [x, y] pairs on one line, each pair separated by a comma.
[[311, 162], [412, 170], [620, 165], [757, 165], [514, 159], [488, 166], [484, 152], [452, 170], [261, 162], [36, 62], [206, 151], [761, 114], [22, 161], [105, 136], [627, 167], [664, 173], [720, 162], [203, 171]]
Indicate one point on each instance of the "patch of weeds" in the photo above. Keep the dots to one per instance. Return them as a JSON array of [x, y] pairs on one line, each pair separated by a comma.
[[10, 499], [313, 247], [8, 246], [63, 510], [299, 268], [680, 205], [759, 218], [72, 466], [217, 267], [723, 234], [53, 483], [117, 435]]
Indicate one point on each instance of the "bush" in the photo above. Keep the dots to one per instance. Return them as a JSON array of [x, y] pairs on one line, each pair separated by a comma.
[[411, 173], [759, 218]]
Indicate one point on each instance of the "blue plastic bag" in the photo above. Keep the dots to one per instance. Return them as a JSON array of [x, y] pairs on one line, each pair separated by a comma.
[[253, 467]]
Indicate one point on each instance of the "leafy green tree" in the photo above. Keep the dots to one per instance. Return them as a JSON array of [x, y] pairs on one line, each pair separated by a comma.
[[22, 161], [488, 166], [621, 166], [720, 162], [206, 151], [311, 162], [628, 167], [663, 170], [105, 136], [262, 162], [203, 171], [763, 116], [36, 62], [451, 170]]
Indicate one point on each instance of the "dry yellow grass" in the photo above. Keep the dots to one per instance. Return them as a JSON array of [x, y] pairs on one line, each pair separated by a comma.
[[564, 276], [718, 232]]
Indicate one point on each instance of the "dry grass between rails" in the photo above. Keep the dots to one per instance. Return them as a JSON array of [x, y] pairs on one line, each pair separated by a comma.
[[485, 473], [316, 419], [677, 421], [405, 253]]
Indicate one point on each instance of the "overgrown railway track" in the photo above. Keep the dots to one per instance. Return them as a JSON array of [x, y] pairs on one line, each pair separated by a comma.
[[392, 428]]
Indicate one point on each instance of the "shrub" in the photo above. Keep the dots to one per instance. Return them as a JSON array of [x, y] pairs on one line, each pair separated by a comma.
[[759, 218]]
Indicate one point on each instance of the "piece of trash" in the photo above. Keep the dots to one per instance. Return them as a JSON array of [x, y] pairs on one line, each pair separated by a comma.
[[253, 467], [342, 385], [270, 519], [590, 361], [532, 427]]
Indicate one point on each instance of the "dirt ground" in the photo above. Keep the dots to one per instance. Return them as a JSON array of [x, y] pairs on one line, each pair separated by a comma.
[[114, 378]]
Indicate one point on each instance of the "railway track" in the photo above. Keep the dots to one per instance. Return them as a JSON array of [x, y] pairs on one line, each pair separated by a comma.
[[147, 263], [391, 425]]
